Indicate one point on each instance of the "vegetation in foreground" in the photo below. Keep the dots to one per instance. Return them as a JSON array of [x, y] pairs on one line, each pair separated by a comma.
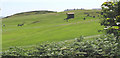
[[102, 46]]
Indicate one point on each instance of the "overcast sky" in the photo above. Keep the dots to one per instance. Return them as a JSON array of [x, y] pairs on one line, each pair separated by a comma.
[[9, 7]]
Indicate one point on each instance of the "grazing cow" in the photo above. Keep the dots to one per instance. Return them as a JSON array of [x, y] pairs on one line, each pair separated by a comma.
[[88, 15], [98, 15], [3, 25], [20, 24], [93, 16], [84, 18], [101, 13], [99, 30]]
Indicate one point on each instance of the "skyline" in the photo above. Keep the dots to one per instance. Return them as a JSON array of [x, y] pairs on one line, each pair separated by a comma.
[[10, 7]]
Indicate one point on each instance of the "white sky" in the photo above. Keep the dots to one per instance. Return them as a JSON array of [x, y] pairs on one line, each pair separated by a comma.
[[9, 7]]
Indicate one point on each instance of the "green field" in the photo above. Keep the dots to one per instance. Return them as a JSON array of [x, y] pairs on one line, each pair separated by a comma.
[[40, 28]]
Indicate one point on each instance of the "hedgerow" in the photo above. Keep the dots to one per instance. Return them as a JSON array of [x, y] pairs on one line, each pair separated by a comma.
[[101, 46]]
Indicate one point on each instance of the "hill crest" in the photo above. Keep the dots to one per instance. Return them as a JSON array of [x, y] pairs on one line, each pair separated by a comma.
[[31, 13]]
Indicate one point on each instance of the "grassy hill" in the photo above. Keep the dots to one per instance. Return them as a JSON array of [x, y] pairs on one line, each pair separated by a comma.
[[31, 13], [39, 28]]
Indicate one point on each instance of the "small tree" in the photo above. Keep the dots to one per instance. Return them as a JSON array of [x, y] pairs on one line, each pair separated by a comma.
[[111, 18]]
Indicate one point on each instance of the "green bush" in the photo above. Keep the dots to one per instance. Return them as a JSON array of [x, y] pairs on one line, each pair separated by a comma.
[[101, 46], [111, 17]]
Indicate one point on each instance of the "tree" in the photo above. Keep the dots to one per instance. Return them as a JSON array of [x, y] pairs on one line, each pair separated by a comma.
[[111, 17]]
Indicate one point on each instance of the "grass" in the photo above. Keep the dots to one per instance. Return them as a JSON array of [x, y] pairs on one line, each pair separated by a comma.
[[0, 36], [49, 27]]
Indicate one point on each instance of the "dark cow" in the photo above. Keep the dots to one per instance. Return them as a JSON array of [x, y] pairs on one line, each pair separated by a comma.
[[88, 14], [3, 25], [84, 18], [101, 13], [99, 30], [20, 24], [98, 15], [93, 16]]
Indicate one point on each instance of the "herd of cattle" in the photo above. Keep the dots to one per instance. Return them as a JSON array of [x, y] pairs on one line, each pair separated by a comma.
[[23, 23], [88, 15], [17, 25]]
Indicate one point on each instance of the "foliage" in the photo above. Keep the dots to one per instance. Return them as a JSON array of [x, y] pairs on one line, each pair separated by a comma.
[[111, 14], [101, 46]]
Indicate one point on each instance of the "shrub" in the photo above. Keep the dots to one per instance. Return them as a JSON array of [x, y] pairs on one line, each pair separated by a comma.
[[101, 46], [111, 17]]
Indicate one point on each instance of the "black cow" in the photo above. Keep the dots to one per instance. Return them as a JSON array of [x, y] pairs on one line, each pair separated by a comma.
[[3, 25], [20, 24], [101, 13], [88, 14], [93, 16], [84, 18]]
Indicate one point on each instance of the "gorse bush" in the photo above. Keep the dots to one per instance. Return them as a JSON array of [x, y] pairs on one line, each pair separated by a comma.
[[102, 46]]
